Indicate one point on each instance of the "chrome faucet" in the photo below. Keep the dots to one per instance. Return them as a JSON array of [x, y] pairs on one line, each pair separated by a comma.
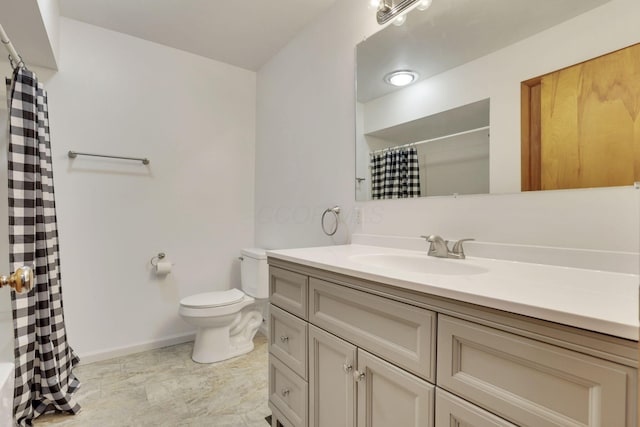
[[440, 248]]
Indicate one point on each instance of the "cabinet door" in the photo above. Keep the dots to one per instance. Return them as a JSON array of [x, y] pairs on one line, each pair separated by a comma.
[[531, 383], [451, 411], [390, 396], [332, 389]]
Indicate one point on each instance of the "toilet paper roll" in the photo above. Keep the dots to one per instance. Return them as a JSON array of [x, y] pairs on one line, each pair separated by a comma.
[[163, 267]]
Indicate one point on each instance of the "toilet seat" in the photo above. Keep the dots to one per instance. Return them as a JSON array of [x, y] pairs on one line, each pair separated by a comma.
[[215, 304], [213, 299]]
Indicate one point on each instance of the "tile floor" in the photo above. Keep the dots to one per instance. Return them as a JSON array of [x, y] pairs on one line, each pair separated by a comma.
[[165, 387]]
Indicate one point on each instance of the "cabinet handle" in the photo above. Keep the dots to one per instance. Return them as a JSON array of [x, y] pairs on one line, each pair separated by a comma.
[[359, 376], [347, 367], [285, 392], [284, 338]]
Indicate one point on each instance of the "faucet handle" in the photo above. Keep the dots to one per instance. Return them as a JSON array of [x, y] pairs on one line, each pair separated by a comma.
[[458, 250]]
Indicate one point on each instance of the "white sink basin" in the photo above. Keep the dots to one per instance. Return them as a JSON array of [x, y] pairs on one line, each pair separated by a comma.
[[419, 264]]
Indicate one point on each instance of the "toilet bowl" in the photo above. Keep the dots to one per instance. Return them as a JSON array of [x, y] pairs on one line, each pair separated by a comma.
[[227, 321]]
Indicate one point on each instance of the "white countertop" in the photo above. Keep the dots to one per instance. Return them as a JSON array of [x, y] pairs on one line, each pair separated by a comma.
[[600, 301]]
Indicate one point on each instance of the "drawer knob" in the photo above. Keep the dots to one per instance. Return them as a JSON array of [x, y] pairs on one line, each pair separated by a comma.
[[359, 376], [284, 338], [285, 392], [347, 367]]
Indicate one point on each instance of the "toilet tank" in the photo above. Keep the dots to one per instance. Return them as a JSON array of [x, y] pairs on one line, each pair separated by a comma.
[[254, 273]]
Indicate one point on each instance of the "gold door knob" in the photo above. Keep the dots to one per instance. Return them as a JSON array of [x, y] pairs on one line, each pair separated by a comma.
[[21, 280]]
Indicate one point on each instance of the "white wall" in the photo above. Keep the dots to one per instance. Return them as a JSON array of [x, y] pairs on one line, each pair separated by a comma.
[[305, 109], [305, 129], [6, 326], [194, 118], [457, 164], [50, 13]]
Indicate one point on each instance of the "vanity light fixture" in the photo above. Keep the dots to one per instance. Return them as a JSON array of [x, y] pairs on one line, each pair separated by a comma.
[[401, 77], [396, 9], [400, 20], [424, 5]]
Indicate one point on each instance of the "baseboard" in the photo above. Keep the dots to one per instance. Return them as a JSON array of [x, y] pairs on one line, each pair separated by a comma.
[[99, 356]]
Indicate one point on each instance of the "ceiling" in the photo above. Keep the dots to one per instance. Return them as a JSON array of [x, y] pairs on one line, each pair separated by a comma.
[[24, 23], [242, 33]]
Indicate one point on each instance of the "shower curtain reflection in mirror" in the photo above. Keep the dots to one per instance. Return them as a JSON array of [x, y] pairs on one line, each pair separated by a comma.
[[395, 174]]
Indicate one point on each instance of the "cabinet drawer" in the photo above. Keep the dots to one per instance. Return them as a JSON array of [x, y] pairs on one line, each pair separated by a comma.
[[288, 290], [288, 340], [288, 392], [453, 411], [277, 419], [531, 383], [398, 332]]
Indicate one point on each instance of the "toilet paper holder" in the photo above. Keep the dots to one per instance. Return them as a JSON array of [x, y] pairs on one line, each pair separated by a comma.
[[154, 260]]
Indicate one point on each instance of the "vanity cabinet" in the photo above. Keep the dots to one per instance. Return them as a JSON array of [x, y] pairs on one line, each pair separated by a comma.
[[375, 355], [369, 358]]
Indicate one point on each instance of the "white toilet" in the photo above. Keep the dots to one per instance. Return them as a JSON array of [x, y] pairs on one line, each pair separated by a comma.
[[228, 320]]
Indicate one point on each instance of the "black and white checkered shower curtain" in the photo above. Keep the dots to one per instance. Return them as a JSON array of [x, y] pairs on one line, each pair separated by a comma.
[[44, 381], [395, 174]]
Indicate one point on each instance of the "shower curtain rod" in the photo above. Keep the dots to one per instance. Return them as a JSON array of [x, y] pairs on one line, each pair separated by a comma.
[[13, 53], [411, 144]]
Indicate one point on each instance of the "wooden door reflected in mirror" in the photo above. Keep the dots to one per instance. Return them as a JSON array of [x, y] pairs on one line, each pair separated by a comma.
[[581, 124]]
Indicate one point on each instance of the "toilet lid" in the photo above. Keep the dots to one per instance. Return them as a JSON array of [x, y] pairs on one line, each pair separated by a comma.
[[213, 299]]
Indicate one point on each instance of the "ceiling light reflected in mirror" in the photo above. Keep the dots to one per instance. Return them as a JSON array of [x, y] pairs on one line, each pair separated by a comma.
[[401, 78]]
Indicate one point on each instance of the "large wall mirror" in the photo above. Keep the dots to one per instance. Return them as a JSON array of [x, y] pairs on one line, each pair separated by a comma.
[[456, 129]]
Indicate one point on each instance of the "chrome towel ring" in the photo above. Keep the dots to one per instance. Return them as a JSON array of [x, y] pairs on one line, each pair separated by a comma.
[[335, 211]]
